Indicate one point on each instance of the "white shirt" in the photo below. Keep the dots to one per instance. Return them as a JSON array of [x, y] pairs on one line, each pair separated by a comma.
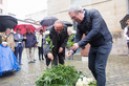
[[125, 33]]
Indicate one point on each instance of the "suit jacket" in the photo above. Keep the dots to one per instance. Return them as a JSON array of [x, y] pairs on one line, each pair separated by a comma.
[[58, 40], [95, 28], [18, 38]]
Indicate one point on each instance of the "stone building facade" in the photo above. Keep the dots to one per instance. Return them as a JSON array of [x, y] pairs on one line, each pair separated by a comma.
[[112, 11]]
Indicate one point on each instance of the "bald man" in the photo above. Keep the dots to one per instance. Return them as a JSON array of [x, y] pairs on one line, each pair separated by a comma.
[[59, 36]]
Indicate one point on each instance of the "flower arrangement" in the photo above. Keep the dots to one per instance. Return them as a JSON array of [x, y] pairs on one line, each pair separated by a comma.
[[62, 75], [84, 81]]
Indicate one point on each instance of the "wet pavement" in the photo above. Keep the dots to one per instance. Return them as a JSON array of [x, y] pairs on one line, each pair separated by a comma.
[[117, 71]]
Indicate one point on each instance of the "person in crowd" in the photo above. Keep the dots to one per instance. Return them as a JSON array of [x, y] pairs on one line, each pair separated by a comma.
[[126, 33], [55, 50], [91, 23], [8, 61], [39, 36], [19, 45], [30, 43], [8, 36]]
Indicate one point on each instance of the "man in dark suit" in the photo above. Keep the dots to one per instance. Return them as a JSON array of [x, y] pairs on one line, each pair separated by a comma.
[[91, 23], [59, 36]]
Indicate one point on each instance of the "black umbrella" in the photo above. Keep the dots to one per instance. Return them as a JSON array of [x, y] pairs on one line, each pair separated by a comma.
[[123, 21], [68, 24], [48, 21], [7, 22]]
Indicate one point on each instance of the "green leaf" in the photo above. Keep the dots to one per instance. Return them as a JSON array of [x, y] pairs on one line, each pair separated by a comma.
[[70, 41], [60, 75]]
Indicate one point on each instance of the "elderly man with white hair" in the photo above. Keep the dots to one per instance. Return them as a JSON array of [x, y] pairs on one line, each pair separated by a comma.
[[91, 23]]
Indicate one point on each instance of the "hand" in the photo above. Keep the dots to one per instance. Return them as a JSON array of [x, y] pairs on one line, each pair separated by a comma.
[[75, 46], [60, 50], [50, 56], [69, 53]]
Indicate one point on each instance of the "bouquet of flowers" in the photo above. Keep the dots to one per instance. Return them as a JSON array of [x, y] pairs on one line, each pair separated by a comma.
[[84, 81]]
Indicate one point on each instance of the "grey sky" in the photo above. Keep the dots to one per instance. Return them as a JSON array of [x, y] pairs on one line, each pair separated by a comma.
[[24, 7]]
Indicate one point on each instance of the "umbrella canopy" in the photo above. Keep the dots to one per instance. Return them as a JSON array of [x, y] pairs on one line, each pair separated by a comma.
[[7, 22], [24, 28], [68, 24], [123, 21], [48, 21]]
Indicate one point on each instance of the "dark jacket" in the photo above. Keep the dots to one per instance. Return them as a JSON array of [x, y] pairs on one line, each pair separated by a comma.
[[30, 40], [58, 40], [95, 29]]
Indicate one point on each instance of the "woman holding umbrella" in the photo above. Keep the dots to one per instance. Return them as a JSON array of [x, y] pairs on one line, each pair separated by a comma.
[[30, 43], [8, 61]]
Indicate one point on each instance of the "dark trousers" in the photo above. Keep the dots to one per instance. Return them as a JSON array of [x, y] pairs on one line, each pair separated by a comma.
[[97, 62], [40, 52], [128, 46], [18, 52], [58, 58]]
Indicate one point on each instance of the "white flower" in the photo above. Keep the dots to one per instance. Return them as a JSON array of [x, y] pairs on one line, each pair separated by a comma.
[[79, 82], [90, 80], [85, 82]]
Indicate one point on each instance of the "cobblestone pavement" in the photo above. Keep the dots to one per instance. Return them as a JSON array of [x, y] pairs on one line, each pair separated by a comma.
[[117, 72]]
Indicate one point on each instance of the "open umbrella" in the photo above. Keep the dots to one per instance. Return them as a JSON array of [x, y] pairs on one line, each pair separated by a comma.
[[7, 22], [68, 24], [24, 28], [48, 21], [123, 21]]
